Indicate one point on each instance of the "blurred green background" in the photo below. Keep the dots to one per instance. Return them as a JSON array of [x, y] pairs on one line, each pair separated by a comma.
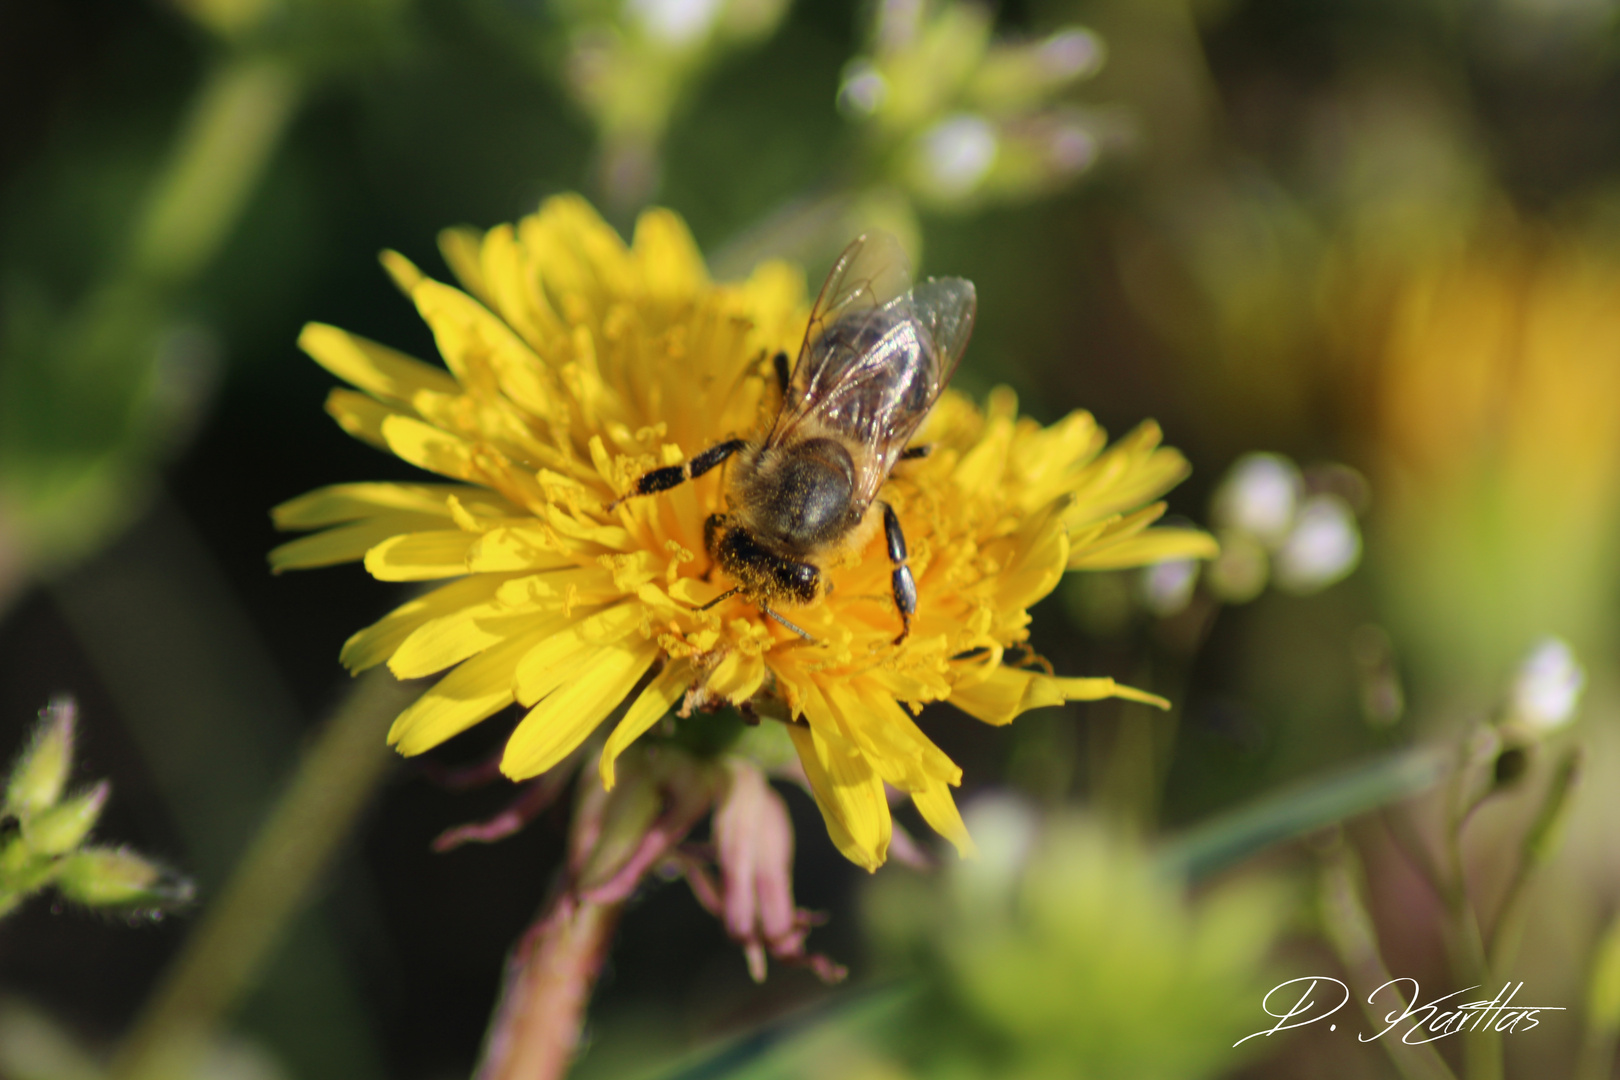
[[1381, 240]]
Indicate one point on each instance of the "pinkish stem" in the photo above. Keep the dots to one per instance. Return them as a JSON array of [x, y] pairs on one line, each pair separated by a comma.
[[549, 975]]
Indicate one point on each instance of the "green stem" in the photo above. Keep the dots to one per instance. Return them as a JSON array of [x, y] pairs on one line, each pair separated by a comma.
[[1350, 930], [1297, 810], [1482, 1050], [236, 122], [226, 952], [1539, 842]]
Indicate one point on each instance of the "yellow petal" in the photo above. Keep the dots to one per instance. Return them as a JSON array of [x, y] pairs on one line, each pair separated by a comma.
[[671, 264], [451, 638], [421, 556], [556, 726], [937, 807], [1040, 552], [377, 642], [374, 368], [359, 415], [881, 707], [517, 547], [871, 726], [477, 690], [508, 288], [651, 706], [738, 676], [1008, 692], [351, 502], [1146, 548], [346, 543], [404, 272], [428, 447], [551, 663], [470, 337], [460, 248], [850, 796]]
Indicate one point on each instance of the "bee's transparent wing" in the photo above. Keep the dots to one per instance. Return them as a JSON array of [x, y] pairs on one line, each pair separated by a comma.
[[872, 369], [872, 271], [946, 307]]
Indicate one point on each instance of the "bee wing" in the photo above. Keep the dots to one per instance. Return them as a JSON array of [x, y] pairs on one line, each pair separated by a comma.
[[946, 306], [875, 360], [944, 309], [872, 271]]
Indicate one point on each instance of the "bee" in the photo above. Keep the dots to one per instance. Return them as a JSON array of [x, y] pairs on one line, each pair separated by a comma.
[[876, 355]]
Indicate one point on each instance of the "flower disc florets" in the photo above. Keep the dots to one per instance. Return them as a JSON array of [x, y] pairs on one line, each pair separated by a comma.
[[575, 364]]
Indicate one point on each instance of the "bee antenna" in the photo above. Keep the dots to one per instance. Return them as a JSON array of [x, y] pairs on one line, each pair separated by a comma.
[[727, 595]]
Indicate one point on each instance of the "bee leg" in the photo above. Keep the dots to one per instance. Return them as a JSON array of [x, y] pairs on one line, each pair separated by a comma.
[[782, 373], [791, 626], [904, 585], [912, 453], [669, 476]]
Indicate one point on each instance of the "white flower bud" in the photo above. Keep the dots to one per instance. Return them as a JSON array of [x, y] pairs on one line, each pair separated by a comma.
[[1322, 548], [1168, 586], [1549, 685], [1259, 496], [955, 155]]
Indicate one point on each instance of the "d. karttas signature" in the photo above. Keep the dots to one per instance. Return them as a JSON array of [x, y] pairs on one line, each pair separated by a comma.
[[1423, 1023]]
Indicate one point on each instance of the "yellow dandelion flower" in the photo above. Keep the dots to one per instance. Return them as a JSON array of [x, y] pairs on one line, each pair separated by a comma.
[[575, 365]]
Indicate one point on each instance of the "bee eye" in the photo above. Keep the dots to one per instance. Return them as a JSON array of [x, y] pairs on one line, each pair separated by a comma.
[[805, 574]]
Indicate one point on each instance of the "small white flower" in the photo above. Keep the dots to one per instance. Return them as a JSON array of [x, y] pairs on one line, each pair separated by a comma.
[[675, 23], [1259, 496], [1168, 586], [1549, 685], [1070, 54], [1323, 547], [864, 89], [957, 152]]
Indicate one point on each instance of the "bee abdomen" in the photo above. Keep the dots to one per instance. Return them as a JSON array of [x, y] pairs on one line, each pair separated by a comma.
[[804, 500]]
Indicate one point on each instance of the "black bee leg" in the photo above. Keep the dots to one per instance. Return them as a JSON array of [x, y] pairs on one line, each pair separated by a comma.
[[782, 373], [791, 626], [905, 586], [727, 595], [669, 476], [912, 453]]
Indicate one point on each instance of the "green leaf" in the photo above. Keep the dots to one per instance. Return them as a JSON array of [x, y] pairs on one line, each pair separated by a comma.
[[1285, 815]]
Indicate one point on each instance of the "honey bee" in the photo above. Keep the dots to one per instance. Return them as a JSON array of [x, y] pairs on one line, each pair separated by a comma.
[[876, 356]]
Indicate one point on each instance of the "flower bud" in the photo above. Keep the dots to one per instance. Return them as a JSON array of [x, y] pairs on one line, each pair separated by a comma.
[[1024, 75], [117, 877], [1239, 573], [42, 770], [64, 827]]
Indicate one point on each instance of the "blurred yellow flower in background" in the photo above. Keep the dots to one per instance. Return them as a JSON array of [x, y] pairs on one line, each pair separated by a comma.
[[1492, 377], [577, 363]]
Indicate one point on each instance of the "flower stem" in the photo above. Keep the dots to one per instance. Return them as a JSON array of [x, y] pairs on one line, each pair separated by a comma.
[[238, 933], [237, 120], [549, 975]]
